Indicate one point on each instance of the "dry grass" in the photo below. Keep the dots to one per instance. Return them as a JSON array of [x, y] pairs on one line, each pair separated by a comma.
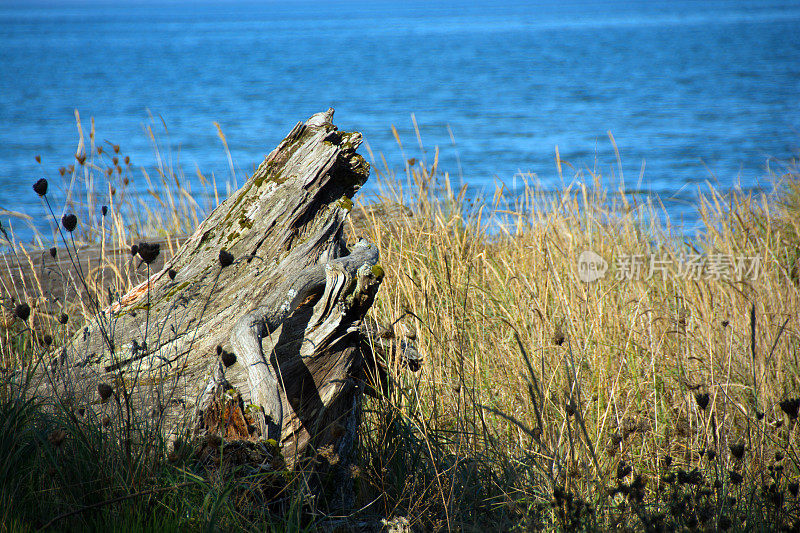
[[527, 362], [544, 400]]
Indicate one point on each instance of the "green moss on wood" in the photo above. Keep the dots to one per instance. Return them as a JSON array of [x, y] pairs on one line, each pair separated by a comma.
[[245, 222], [141, 307], [345, 203], [175, 290], [259, 181]]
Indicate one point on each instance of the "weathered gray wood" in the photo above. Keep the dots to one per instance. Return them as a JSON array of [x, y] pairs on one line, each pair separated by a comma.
[[106, 270], [289, 308], [258, 337], [110, 270]]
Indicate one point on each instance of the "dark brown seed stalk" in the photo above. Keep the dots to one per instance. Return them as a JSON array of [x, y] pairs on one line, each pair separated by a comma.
[[40, 187], [70, 222], [225, 258], [149, 251], [22, 311]]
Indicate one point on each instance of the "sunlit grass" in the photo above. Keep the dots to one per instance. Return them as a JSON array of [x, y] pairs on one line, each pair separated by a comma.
[[643, 401], [620, 371]]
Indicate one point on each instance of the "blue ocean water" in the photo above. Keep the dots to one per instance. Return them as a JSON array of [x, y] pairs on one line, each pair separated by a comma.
[[692, 90]]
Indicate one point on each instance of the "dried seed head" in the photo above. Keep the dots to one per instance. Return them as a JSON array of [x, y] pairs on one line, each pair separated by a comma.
[[692, 477], [47, 339], [790, 406], [225, 258], [99, 150], [737, 450], [81, 158], [40, 187], [127, 160], [38, 158], [149, 251], [629, 426], [116, 148], [228, 358], [63, 318], [70, 222], [104, 390], [702, 400], [22, 311], [171, 273], [104, 210], [62, 171], [558, 336], [725, 323], [53, 252]]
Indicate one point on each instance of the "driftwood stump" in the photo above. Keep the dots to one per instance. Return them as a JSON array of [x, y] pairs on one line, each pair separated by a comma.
[[254, 328]]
